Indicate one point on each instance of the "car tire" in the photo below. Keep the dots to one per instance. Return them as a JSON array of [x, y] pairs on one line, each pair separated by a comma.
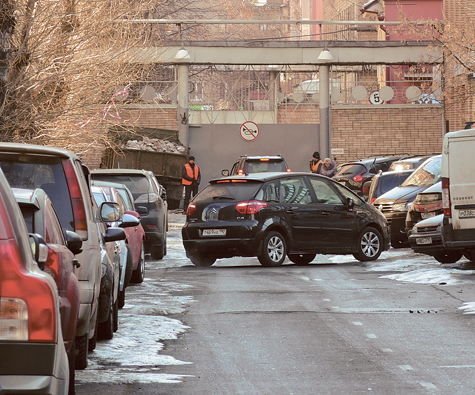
[[93, 340], [129, 266], [274, 249], [370, 244], [72, 368], [106, 328], [80, 352], [121, 299], [116, 315], [201, 260], [301, 259], [138, 274], [158, 251], [448, 256]]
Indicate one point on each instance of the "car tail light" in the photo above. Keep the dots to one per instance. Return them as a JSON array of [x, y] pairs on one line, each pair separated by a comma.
[[240, 172], [79, 211], [358, 177], [428, 207], [191, 209], [372, 200], [264, 159], [288, 170], [250, 206], [446, 196], [365, 189], [147, 198], [52, 264], [27, 308]]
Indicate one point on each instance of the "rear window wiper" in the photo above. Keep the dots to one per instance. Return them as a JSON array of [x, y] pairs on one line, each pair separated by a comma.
[[223, 197]]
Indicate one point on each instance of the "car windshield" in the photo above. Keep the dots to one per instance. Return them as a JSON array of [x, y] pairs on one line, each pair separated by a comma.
[[228, 191], [45, 172], [425, 175], [258, 166], [137, 184]]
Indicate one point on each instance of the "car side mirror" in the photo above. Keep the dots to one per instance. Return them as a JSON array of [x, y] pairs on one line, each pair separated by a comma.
[[74, 242], [225, 173], [141, 210], [129, 221], [39, 248], [109, 212], [350, 202], [114, 234]]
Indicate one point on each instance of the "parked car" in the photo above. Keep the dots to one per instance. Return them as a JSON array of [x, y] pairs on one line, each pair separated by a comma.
[[147, 195], [395, 203], [384, 182], [41, 218], [426, 238], [274, 215], [409, 163], [427, 204], [354, 174], [132, 249], [34, 358], [257, 164], [65, 179]]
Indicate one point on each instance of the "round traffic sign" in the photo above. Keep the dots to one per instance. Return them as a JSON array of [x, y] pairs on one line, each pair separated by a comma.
[[249, 131]]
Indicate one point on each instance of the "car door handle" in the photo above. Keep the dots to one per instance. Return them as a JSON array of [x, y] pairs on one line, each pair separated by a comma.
[[292, 209], [326, 213]]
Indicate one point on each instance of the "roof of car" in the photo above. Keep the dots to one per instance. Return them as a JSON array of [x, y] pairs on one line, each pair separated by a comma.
[[264, 177], [37, 149], [120, 171], [108, 184], [257, 157]]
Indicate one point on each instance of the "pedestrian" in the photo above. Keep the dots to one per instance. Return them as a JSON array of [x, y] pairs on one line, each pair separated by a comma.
[[191, 178], [315, 163], [329, 168]]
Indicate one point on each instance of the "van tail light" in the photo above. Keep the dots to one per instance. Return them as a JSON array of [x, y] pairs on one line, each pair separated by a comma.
[[446, 196], [79, 211], [147, 198], [358, 177], [191, 209], [27, 302], [250, 206]]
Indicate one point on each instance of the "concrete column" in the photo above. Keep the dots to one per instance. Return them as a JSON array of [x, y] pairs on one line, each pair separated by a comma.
[[183, 107], [325, 129]]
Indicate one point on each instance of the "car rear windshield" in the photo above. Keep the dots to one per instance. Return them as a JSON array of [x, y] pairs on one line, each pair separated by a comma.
[[261, 166], [425, 175], [45, 172], [351, 170], [228, 191], [137, 184], [388, 183]]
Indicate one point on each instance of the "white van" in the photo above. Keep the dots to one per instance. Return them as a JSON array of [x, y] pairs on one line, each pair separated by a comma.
[[458, 190]]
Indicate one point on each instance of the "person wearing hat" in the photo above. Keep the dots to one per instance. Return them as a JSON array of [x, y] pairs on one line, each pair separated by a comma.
[[316, 163], [190, 178]]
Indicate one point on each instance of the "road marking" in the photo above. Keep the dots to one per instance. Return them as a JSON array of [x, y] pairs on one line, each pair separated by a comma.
[[386, 350], [406, 367], [357, 323], [371, 336], [428, 385]]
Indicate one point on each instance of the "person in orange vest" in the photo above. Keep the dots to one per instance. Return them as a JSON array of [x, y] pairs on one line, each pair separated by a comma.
[[191, 178], [316, 163]]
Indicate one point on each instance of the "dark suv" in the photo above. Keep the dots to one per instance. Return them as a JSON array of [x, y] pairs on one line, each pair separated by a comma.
[[146, 193], [354, 174], [274, 215], [257, 164]]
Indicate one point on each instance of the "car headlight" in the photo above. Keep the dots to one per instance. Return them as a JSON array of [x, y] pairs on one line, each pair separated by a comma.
[[439, 228], [401, 207], [414, 230]]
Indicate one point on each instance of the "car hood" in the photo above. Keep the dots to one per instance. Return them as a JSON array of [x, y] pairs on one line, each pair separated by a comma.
[[399, 193], [433, 221]]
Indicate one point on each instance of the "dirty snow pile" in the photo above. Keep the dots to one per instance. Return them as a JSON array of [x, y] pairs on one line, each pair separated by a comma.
[[155, 145]]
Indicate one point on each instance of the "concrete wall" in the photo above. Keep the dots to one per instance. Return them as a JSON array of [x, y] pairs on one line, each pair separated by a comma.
[[216, 147]]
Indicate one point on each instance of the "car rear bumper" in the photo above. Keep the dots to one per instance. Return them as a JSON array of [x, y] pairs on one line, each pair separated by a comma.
[[34, 368], [224, 248]]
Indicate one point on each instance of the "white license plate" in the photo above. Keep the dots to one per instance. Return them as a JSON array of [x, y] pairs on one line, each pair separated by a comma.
[[427, 215], [424, 240], [214, 232], [467, 214]]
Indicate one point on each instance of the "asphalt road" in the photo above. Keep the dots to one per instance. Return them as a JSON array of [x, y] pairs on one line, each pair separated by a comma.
[[333, 327]]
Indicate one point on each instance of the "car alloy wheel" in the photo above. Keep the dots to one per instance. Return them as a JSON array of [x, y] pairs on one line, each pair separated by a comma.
[[274, 250], [369, 245]]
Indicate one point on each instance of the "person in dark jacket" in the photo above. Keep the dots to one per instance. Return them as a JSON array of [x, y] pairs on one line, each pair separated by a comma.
[[316, 163], [190, 178], [328, 169]]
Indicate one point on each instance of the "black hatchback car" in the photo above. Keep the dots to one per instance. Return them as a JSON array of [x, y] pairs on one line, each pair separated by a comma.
[[274, 215]]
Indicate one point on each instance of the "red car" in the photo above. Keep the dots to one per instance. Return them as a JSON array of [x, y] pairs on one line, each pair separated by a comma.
[[34, 359], [41, 218], [135, 240]]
